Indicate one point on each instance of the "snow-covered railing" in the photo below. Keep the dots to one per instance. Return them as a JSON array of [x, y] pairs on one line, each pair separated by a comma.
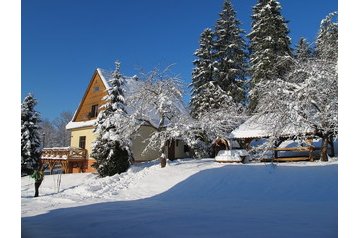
[[63, 153], [67, 157]]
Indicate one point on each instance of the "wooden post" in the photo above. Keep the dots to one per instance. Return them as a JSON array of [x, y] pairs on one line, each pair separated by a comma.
[[310, 155]]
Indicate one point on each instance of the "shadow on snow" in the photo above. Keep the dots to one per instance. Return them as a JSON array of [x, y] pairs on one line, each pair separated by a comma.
[[232, 201]]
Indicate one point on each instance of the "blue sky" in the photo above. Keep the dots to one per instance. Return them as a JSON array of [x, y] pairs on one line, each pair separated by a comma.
[[63, 42]]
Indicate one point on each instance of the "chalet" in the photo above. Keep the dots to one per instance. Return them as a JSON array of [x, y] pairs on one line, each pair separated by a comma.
[[82, 126]]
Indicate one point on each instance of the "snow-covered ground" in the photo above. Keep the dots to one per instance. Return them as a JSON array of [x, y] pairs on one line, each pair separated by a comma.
[[188, 198]]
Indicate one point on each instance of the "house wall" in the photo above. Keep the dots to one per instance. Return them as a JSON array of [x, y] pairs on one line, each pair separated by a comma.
[[179, 150], [90, 137], [138, 145], [94, 94]]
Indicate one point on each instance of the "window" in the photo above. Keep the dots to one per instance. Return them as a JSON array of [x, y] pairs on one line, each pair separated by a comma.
[[82, 142], [94, 111], [96, 89]]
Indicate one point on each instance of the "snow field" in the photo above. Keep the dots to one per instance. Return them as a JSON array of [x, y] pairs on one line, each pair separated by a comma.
[[188, 198]]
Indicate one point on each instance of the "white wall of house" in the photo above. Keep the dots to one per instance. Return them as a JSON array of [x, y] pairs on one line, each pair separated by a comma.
[[90, 137], [139, 144]]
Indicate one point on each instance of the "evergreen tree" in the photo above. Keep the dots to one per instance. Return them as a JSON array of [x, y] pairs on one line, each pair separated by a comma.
[[327, 39], [202, 73], [269, 46], [111, 148], [229, 50], [214, 98], [30, 138], [303, 50]]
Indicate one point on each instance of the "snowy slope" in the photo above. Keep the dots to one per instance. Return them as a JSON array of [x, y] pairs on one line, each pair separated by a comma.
[[188, 198]]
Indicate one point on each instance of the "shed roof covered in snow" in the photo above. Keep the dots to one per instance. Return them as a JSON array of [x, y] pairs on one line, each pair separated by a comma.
[[271, 124]]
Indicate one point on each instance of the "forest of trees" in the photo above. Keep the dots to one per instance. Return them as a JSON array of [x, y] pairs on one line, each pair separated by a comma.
[[299, 85]]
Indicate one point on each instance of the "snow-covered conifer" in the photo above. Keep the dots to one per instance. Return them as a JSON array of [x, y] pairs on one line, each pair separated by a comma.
[[215, 119], [202, 73], [213, 97], [111, 149], [30, 138], [303, 51], [269, 46], [230, 62], [327, 39]]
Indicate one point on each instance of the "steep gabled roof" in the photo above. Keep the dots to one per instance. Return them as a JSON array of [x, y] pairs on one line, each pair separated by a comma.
[[105, 77], [131, 85]]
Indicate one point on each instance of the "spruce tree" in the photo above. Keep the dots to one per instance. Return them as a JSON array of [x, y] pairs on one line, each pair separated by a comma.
[[269, 45], [230, 60], [30, 138], [327, 39], [303, 51], [111, 149], [214, 98], [202, 73]]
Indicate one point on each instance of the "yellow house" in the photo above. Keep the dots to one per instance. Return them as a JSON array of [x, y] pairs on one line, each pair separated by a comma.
[[82, 124]]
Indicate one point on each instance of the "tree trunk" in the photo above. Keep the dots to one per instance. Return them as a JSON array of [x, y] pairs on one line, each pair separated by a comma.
[[332, 152], [163, 158], [324, 148]]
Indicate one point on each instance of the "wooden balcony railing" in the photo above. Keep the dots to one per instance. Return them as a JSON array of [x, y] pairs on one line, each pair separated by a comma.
[[67, 157]]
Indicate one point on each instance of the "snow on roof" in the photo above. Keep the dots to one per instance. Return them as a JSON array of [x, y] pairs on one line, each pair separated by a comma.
[[265, 126], [80, 124], [131, 84]]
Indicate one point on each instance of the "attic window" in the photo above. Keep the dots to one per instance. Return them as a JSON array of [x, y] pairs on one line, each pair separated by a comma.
[[93, 112], [96, 89]]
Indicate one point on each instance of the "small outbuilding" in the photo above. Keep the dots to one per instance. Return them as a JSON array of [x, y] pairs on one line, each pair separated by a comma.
[[261, 127]]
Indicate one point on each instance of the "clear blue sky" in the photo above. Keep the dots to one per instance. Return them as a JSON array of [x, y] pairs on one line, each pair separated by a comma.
[[63, 42]]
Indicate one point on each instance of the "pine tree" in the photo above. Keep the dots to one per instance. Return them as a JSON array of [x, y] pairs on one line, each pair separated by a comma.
[[229, 50], [30, 138], [303, 50], [269, 45], [202, 73], [327, 39], [111, 148], [214, 98]]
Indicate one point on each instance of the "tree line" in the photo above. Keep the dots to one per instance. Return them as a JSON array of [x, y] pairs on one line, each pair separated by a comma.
[[264, 75]]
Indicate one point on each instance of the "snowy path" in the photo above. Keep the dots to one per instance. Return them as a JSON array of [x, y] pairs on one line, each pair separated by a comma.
[[189, 199]]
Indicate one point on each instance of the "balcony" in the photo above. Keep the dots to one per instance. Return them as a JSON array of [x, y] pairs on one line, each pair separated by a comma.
[[70, 159]]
